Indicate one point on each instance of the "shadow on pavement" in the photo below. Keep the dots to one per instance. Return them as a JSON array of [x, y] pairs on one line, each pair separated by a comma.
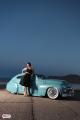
[[76, 97]]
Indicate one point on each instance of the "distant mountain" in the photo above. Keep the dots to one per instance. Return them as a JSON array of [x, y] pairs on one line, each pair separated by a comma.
[[73, 78], [70, 78]]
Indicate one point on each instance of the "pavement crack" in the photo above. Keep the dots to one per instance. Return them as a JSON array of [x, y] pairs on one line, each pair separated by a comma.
[[32, 109]]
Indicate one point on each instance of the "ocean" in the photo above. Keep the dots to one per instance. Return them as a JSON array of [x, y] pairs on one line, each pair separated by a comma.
[[76, 86]]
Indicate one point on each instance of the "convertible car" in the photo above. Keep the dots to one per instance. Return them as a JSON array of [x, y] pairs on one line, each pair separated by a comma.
[[53, 88]]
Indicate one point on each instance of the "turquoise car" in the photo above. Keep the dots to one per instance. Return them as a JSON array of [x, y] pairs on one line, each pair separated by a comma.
[[53, 88]]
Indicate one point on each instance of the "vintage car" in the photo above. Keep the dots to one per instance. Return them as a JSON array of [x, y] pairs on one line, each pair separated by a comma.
[[53, 88]]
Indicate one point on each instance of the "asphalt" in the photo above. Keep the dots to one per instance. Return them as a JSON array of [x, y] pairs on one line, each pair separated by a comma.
[[38, 108]]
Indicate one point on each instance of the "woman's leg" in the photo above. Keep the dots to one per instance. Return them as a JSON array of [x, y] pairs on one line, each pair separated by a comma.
[[25, 91], [28, 91]]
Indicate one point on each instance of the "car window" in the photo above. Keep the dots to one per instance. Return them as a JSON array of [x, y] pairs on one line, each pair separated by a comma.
[[19, 77]]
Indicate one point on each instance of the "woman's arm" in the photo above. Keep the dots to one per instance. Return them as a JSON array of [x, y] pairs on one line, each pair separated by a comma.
[[24, 70]]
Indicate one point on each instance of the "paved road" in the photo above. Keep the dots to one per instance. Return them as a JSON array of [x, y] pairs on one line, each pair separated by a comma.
[[37, 108]]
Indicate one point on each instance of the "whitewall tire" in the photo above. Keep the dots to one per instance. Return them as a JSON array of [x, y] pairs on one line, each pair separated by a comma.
[[53, 93]]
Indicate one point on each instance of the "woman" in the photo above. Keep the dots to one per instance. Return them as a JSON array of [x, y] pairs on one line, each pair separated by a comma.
[[28, 70]]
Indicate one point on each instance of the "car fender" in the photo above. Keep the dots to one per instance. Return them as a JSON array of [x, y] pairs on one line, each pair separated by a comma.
[[12, 87]]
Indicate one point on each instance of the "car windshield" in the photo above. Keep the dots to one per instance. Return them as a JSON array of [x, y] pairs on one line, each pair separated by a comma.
[[40, 76], [67, 83]]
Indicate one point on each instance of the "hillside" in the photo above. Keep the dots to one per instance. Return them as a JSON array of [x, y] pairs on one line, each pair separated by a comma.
[[71, 78]]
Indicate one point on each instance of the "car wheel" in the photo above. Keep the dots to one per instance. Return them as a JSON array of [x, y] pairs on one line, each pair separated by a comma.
[[53, 93]]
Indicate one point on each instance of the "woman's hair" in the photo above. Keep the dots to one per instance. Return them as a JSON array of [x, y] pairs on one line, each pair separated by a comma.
[[29, 63]]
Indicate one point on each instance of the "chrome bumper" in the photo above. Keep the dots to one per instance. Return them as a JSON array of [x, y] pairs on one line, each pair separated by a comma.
[[68, 92]]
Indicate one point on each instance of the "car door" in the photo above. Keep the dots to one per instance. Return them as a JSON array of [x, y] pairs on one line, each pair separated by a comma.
[[40, 86]]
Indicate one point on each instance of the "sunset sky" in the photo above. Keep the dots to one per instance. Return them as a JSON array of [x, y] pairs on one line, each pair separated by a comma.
[[44, 32]]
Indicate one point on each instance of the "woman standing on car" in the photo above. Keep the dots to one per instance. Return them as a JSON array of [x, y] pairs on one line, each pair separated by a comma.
[[28, 70]]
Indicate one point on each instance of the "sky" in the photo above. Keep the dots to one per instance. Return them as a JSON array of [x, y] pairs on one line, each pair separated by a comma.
[[43, 32]]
